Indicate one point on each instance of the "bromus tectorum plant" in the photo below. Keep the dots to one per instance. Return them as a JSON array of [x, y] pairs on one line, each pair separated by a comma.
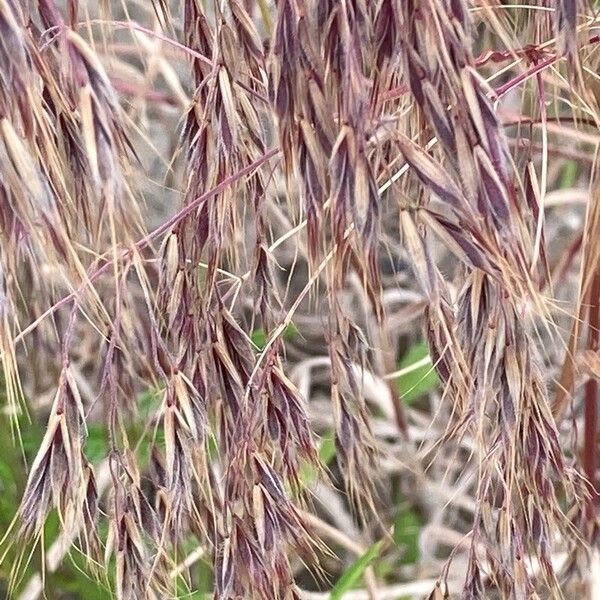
[[299, 299]]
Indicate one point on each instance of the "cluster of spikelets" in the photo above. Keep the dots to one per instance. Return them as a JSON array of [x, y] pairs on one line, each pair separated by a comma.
[[333, 111]]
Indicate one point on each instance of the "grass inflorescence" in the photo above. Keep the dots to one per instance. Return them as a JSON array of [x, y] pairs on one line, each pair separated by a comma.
[[299, 299]]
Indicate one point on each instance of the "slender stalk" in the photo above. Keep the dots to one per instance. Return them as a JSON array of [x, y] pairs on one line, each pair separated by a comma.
[[590, 439]]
